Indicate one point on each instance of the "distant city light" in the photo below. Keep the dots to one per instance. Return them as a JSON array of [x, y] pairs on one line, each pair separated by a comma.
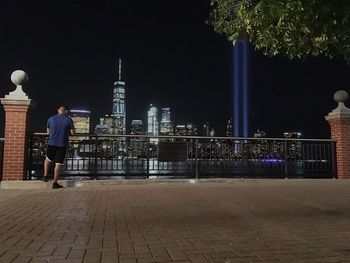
[[271, 160], [80, 111]]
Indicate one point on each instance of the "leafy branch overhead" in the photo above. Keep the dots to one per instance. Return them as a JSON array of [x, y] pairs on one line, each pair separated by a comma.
[[292, 28]]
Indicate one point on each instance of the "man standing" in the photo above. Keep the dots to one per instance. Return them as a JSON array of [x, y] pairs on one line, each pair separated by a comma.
[[59, 127]]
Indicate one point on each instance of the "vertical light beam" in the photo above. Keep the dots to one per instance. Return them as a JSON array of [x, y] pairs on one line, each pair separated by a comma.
[[245, 83], [236, 89], [240, 89]]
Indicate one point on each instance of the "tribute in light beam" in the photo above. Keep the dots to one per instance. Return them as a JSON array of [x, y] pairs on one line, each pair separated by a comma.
[[240, 89]]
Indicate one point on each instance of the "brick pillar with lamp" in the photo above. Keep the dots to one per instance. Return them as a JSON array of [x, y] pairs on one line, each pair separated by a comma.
[[339, 121], [16, 105]]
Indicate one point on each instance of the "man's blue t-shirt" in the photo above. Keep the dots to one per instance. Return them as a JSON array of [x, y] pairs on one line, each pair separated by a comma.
[[60, 126]]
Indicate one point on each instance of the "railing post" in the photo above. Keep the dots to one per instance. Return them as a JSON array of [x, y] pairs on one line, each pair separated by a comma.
[[147, 156], [30, 157], [96, 159], [241, 146], [285, 160], [196, 156]]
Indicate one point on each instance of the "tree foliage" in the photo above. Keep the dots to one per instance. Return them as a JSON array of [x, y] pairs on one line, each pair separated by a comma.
[[293, 28]]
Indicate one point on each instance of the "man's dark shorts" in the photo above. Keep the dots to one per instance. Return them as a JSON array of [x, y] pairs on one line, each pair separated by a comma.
[[56, 154]]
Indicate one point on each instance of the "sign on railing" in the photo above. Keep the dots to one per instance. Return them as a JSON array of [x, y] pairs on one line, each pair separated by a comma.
[[172, 152]]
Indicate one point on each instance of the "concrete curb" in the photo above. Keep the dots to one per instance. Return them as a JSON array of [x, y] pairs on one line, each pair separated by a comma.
[[24, 185], [35, 184]]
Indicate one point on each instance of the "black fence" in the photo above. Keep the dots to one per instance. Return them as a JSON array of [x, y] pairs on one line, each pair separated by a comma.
[[129, 156]]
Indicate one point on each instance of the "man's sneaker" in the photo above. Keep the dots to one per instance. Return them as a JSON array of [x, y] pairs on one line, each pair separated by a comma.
[[44, 179], [56, 186]]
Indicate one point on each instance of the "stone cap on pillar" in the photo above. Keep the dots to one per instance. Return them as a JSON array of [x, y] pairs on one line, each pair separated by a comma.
[[341, 111], [18, 96]]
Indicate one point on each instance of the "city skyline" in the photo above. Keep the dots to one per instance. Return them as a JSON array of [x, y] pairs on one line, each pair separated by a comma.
[[161, 123], [177, 63]]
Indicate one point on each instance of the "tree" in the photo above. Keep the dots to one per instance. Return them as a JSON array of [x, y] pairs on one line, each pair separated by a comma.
[[292, 28]]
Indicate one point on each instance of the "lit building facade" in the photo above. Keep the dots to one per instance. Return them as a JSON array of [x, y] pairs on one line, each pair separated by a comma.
[[119, 105], [166, 126], [102, 129], [81, 120], [180, 130], [153, 123], [108, 121], [186, 130]]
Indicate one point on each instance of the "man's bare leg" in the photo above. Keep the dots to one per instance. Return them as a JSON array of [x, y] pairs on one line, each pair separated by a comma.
[[47, 164], [57, 172]]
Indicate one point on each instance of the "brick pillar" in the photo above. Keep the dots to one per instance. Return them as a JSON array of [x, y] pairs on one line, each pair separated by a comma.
[[16, 105], [339, 121]]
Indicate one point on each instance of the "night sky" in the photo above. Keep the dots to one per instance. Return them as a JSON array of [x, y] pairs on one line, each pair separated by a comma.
[[70, 50]]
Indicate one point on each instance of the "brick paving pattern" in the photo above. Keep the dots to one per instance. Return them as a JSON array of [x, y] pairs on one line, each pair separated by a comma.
[[236, 221]]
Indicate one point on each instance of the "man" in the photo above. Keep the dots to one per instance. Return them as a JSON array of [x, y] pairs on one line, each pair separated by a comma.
[[59, 127]]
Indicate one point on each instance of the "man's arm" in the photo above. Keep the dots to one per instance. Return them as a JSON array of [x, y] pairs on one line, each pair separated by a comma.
[[48, 125], [72, 128]]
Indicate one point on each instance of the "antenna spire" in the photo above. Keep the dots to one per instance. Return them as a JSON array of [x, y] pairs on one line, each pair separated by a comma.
[[120, 69]]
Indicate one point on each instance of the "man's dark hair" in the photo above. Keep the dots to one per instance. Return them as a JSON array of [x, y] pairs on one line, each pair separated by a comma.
[[64, 106]]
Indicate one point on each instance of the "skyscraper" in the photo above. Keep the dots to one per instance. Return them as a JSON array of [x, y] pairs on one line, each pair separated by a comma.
[[119, 107], [137, 127], [166, 126], [153, 122]]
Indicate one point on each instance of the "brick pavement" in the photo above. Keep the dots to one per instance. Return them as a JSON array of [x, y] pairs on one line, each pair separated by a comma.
[[236, 221]]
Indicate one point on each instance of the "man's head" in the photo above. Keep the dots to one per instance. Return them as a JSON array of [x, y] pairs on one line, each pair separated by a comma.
[[62, 109]]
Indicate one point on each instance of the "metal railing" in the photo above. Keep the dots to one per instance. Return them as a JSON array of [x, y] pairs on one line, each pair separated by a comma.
[[130, 156]]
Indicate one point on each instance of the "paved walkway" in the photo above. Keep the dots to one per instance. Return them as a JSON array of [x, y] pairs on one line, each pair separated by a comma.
[[236, 221]]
